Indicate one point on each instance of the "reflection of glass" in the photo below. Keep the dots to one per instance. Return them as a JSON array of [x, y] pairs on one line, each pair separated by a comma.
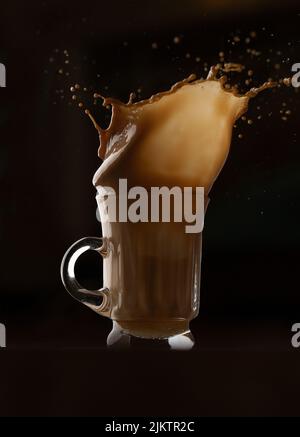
[[151, 274]]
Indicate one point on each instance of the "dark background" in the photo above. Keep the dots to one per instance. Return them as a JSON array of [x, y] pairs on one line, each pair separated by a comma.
[[56, 362]]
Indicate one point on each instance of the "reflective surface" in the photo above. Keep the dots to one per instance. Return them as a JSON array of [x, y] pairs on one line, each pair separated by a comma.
[[118, 339]]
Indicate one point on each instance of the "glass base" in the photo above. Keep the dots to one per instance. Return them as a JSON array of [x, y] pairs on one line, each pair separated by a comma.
[[119, 339]]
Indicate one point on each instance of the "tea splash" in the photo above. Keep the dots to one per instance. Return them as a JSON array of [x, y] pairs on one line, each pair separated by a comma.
[[178, 137]]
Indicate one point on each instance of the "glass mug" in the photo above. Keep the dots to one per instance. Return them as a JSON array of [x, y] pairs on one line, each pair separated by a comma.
[[151, 275]]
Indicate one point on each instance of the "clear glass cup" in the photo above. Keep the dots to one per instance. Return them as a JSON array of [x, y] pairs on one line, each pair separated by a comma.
[[151, 275]]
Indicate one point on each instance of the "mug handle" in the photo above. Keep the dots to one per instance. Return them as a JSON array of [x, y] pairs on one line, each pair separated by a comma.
[[97, 300]]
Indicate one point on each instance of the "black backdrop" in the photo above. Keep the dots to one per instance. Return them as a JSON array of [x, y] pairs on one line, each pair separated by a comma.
[[56, 357]]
